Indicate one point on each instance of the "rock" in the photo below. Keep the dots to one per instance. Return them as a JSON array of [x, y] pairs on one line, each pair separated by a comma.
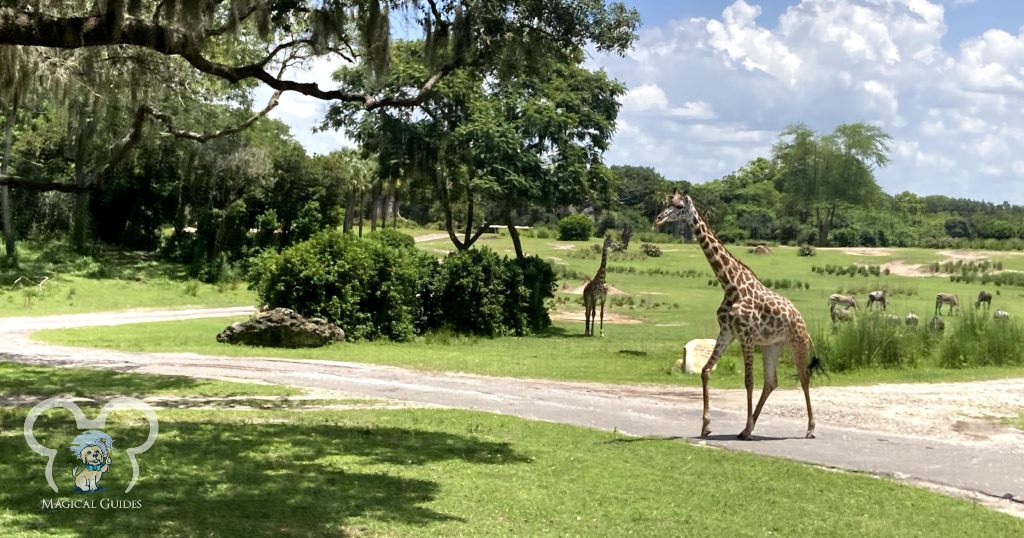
[[696, 354], [282, 327]]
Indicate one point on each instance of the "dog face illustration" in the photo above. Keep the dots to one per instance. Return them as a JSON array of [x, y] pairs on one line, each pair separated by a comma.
[[92, 455]]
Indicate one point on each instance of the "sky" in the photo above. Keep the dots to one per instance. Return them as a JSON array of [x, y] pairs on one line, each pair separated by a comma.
[[712, 83]]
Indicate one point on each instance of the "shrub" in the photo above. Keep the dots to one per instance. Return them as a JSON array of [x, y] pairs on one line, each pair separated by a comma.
[[367, 287], [650, 250], [975, 339], [575, 228], [872, 341], [806, 250], [476, 291]]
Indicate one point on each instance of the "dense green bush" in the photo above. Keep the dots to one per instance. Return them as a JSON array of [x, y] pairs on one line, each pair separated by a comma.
[[873, 341], [478, 292], [383, 287], [650, 250], [368, 287], [575, 228], [806, 250]]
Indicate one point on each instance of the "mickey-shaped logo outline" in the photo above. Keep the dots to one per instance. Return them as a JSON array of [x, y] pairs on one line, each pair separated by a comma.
[[83, 423]]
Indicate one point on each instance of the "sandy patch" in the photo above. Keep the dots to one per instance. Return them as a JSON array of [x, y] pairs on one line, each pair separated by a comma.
[[430, 237], [578, 290], [609, 317], [864, 251], [901, 268], [561, 246]]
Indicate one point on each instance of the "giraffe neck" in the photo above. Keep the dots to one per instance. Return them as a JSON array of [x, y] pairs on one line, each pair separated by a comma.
[[726, 267], [599, 277]]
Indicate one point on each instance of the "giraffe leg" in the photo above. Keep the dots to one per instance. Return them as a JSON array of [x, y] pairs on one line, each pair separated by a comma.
[[724, 339], [800, 357], [771, 380], [602, 316], [748, 382], [586, 317]]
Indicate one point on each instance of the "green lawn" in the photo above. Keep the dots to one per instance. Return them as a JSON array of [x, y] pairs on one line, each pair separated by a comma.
[[630, 354], [112, 280], [453, 473]]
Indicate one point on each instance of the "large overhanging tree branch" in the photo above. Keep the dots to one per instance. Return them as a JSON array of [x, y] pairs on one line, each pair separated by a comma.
[[459, 33], [120, 148]]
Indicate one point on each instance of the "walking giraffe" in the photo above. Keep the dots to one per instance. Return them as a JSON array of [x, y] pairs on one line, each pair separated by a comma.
[[946, 299], [751, 312], [596, 291]]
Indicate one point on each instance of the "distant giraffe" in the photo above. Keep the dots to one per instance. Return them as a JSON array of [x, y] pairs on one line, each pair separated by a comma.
[[876, 297], [596, 291], [946, 299], [750, 312], [984, 297]]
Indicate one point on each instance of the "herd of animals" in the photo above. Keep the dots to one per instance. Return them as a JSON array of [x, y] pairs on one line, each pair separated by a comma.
[[753, 314], [847, 302]]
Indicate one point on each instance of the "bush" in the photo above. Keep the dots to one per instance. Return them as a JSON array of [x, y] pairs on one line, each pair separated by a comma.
[[476, 291], [975, 339], [366, 286], [806, 250], [651, 250], [575, 228], [872, 341]]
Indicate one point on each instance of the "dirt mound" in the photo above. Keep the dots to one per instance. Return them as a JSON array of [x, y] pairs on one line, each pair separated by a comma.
[[867, 251], [900, 268]]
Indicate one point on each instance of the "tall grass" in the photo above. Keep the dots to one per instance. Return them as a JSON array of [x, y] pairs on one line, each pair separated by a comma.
[[873, 341], [978, 340]]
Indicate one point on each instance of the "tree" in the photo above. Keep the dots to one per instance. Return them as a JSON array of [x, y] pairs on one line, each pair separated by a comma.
[[456, 34], [819, 175]]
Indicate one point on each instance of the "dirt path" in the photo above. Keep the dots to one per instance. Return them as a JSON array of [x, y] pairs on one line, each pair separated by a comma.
[[938, 433]]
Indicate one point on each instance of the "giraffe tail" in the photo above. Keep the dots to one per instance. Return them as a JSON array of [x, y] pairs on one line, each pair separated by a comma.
[[817, 367]]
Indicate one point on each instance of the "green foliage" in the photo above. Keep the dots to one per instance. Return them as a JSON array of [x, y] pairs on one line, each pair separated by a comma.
[[367, 287], [975, 339], [478, 292], [651, 250], [806, 250], [575, 228], [873, 341]]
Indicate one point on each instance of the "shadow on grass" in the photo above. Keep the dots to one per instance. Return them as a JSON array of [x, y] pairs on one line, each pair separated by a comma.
[[55, 259], [239, 474], [46, 381]]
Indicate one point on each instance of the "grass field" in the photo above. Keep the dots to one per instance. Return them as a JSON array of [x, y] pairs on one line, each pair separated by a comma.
[[668, 309], [365, 472], [112, 280]]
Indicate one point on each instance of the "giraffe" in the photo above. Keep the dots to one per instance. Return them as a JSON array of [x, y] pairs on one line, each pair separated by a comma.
[[596, 291], [750, 312], [944, 299]]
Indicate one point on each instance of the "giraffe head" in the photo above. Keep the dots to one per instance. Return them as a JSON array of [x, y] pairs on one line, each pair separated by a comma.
[[607, 241], [680, 207]]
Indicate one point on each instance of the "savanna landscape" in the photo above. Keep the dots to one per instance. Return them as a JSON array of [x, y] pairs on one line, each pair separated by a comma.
[[466, 315]]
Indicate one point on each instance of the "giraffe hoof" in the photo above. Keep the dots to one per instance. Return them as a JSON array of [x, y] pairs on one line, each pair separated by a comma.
[[705, 432], [810, 435], [743, 436]]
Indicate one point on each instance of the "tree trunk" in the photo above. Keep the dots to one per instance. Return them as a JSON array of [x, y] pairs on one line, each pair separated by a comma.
[[394, 210], [80, 216], [5, 193], [350, 209], [514, 234], [362, 205]]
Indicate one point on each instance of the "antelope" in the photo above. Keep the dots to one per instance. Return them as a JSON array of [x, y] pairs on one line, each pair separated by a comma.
[[1001, 315], [911, 319], [845, 300], [983, 297], [937, 324]]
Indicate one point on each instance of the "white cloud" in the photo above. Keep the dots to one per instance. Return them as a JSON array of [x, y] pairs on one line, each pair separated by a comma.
[[710, 94]]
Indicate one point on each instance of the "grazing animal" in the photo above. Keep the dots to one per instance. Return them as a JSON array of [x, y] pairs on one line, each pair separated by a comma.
[[596, 291], [876, 297], [983, 297], [894, 319], [760, 250], [840, 314], [750, 312], [937, 324], [946, 299], [911, 319], [846, 300], [1001, 314]]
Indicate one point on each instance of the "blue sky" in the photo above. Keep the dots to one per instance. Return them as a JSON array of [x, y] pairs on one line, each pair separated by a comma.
[[712, 82]]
